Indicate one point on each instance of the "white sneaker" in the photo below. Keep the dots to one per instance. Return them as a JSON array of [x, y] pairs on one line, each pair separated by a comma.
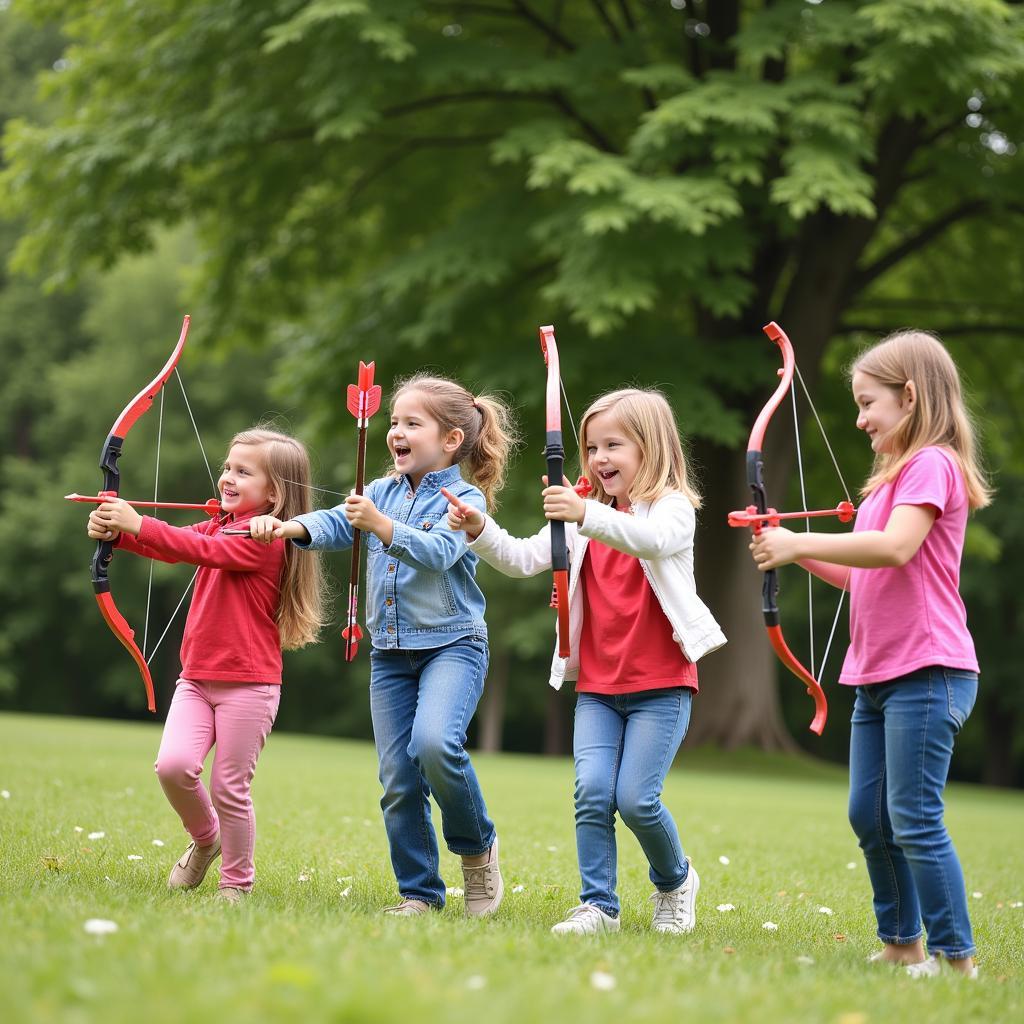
[[932, 968], [675, 912], [586, 919]]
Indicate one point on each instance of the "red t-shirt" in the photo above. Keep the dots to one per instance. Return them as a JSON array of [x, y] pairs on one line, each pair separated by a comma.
[[627, 644], [231, 632]]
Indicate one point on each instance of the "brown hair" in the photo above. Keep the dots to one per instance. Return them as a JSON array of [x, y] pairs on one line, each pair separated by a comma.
[[286, 463], [939, 416], [646, 419], [489, 432]]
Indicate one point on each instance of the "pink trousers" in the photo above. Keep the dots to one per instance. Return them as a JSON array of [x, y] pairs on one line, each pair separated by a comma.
[[237, 717]]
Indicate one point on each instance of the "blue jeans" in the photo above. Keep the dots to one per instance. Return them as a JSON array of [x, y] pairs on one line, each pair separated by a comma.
[[901, 743], [623, 747], [421, 702]]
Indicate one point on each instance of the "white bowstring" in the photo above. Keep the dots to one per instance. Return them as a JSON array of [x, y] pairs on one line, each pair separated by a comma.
[[807, 522], [213, 484], [568, 412], [156, 511], [846, 491]]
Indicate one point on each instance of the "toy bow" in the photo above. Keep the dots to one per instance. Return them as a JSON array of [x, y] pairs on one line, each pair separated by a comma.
[[554, 453], [363, 402], [759, 514], [110, 453]]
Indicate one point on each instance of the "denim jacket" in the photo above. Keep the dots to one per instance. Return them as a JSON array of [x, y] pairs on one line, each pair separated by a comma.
[[421, 590]]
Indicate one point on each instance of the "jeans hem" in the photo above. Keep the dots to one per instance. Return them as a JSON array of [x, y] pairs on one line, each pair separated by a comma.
[[951, 955], [473, 852], [900, 940]]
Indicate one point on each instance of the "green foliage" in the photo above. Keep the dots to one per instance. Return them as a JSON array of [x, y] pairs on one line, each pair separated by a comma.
[[424, 182]]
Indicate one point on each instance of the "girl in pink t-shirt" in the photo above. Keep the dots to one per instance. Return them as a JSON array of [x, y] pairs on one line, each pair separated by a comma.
[[911, 656], [249, 602]]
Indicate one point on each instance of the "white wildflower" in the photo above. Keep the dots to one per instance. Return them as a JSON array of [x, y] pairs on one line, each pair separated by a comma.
[[977, 895], [602, 981], [805, 961], [723, 860], [770, 926], [158, 842], [78, 828], [475, 982], [5, 794], [850, 865], [303, 877], [97, 835], [346, 892], [454, 890], [825, 910], [97, 926], [724, 908], [552, 849], [518, 888], [135, 856]]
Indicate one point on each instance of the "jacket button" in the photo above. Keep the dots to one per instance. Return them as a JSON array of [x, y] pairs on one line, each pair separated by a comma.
[[389, 602], [391, 568], [426, 526], [391, 629]]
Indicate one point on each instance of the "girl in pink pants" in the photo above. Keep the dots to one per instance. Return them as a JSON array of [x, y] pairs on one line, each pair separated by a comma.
[[250, 601]]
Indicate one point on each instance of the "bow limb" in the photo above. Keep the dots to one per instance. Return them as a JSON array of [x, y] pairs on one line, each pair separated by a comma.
[[554, 453], [109, 455], [761, 513]]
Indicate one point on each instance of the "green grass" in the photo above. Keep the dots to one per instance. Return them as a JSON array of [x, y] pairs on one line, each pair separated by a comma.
[[301, 951]]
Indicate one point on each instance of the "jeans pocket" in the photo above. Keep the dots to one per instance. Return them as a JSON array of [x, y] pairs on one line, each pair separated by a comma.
[[961, 693]]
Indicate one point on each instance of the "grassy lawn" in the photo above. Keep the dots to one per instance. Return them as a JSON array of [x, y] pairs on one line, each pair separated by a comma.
[[311, 945]]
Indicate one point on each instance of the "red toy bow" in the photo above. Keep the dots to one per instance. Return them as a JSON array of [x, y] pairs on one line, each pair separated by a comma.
[[757, 515]]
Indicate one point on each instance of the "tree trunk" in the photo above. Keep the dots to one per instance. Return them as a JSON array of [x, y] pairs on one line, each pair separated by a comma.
[[492, 707], [998, 765], [556, 726], [738, 703]]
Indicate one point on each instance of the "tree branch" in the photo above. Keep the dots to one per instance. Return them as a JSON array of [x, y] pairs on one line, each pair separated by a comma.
[[549, 30], [610, 25], [947, 331], [862, 278]]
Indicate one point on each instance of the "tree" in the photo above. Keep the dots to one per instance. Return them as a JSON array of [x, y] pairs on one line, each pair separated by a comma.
[[441, 177]]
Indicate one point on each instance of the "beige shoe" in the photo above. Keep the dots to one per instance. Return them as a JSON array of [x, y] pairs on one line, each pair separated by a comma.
[[191, 869], [483, 885], [407, 908], [231, 894]]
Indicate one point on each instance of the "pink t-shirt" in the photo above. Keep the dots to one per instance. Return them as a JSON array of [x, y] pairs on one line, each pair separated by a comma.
[[903, 618]]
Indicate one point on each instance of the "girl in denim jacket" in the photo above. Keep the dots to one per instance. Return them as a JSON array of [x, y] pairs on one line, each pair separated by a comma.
[[637, 629], [425, 617]]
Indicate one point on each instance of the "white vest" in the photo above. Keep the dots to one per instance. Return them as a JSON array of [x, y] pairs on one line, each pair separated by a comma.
[[659, 534]]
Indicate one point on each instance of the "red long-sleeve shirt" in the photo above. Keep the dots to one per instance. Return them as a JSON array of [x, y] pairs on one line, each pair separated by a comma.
[[231, 632]]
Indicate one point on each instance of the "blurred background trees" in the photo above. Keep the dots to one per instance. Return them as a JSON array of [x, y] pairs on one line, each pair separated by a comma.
[[423, 183]]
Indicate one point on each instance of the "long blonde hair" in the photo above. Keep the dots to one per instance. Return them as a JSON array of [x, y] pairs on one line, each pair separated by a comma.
[[646, 419], [939, 416], [489, 432], [300, 613]]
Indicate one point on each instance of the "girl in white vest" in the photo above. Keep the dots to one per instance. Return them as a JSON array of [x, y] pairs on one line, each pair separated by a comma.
[[636, 631]]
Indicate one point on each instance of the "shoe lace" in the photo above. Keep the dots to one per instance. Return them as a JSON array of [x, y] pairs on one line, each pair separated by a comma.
[[475, 881], [668, 908], [581, 910]]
